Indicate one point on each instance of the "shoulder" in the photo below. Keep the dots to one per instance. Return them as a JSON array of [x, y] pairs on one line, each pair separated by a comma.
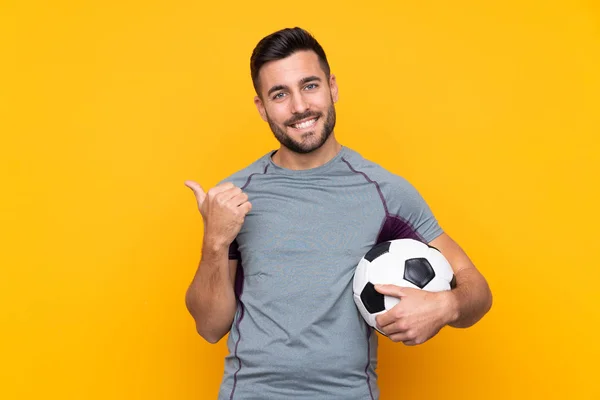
[[241, 177], [408, 213], [387, 180]]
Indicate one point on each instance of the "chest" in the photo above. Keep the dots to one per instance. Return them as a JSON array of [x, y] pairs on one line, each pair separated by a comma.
[[307, 223]]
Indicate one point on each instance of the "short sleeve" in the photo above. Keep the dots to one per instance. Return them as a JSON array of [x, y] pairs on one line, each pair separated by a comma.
[[408, 214]]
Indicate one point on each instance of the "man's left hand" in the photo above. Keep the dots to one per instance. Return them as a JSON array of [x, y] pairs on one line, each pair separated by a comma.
[[417, 318]]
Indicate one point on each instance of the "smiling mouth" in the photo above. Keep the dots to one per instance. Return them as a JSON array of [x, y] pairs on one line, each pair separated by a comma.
[[305, 124]]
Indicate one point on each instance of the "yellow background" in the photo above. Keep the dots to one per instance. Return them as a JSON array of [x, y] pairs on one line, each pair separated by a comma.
[[491, 109]]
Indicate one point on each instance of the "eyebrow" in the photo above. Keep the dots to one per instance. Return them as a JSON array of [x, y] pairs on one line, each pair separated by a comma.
[[303, 81]]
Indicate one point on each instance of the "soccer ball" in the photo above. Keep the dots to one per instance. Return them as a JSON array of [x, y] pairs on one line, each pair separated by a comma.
[[401, 262]]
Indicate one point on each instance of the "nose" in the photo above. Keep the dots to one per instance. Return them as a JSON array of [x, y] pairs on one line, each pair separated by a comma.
[[299, 104]]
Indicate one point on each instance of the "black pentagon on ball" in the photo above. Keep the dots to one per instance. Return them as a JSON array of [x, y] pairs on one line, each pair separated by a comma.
[[418, 271], [372, 299], [377, 250]]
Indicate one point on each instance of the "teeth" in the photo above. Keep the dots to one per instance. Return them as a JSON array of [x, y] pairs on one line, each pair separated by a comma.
[[305, 124]]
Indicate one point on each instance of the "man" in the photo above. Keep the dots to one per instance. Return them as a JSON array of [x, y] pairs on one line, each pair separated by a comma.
[[282, 239]]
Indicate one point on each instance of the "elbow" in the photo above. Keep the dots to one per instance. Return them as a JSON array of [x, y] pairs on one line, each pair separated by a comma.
[[210, 337], [212, 334], [202, 330], [486, 302], [481, 305], [486, 298], [209, 327], [490, 300]]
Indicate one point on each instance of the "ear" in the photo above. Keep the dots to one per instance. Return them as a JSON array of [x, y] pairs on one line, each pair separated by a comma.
[[260, 107], [333, 88]]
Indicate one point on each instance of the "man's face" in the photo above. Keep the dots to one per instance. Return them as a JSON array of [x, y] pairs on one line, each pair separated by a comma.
[[297, 101]]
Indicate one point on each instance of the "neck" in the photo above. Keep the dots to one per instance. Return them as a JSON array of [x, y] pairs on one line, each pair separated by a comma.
[[294, 161]]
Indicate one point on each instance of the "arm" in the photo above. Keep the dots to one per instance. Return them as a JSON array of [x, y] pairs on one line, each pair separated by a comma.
[[210, 298], [421, 314], [471, 299]]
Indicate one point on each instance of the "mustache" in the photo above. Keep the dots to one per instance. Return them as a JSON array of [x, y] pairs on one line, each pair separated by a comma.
[[300, 117]]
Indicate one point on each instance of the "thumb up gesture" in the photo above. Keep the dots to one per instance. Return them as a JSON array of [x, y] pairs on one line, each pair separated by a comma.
[[223, 209]]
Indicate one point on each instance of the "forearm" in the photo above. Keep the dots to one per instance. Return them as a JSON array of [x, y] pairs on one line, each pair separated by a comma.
[[470, 300], [211, 298]]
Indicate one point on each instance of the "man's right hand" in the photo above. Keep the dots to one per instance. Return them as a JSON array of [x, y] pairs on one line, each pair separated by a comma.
[[223, 210]]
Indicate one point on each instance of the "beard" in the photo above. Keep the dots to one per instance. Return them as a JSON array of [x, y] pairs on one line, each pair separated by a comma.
[[305, 145]]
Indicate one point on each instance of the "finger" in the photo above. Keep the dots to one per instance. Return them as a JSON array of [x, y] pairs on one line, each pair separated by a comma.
[[228, 194], [395, 325], [221, 188], [383, 320], [386, 318], [222, 194], [391, 290], [414, 341], [401, 337], [245, 207], [239, 199], [198, 191], [410, 342]]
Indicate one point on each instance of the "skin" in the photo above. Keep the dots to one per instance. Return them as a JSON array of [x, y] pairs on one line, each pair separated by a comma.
[[293, 90], [210, 298], [296, 89], [420, 315]]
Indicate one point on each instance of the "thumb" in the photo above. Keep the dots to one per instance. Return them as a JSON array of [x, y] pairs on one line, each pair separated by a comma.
[[391, 290], [198, 191]]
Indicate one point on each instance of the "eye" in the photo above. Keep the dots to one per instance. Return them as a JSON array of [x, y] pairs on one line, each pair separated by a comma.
[[311, 86], [278, 96]]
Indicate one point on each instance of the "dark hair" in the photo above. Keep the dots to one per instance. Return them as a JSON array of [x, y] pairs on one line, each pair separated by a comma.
[[282, 44]]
